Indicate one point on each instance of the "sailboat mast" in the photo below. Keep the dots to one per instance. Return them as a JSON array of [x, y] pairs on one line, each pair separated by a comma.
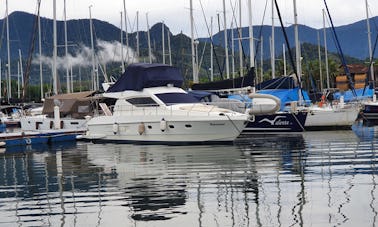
[[92, 47], [40, 51], [262, 59], [369, 43], [297, 47], [225, 40], [272, 46], [21, 69], [194, 63], [232, 50], [325, 50], [320, 64], [163, 41], [122, 57], [251, 41], [18, 79], [127, 35], [169, 47], [66, 49], [9, 90], [240, 39], [284, 58], [149, 40], [211, 51], [55, 52]]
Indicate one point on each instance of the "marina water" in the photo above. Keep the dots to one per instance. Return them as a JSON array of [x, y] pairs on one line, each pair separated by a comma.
[[305, 179]]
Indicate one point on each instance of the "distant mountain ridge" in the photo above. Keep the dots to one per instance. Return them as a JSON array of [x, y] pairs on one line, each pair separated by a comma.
[[353, 37]]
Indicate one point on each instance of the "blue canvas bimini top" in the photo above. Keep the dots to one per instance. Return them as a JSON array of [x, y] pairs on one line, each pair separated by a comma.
[[143, 75]]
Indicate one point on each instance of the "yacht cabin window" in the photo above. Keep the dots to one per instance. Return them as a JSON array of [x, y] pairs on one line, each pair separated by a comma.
[[176, 98], [142, 101]]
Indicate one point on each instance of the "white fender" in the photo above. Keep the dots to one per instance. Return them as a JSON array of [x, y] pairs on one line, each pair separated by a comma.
[[115, 128], [141, 128], [163, 125], [264, 104]]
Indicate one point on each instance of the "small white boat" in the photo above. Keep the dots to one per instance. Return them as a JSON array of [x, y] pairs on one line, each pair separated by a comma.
[[64, 111], [152, 108], [331, 117], [10, 116]]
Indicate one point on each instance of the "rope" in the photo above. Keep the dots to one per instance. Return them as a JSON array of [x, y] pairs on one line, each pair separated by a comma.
[[299, 123], [233, 123]]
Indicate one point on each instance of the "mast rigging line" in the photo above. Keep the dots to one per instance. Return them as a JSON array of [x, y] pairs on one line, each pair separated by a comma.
[[289, 50], [30, 53], [343, 62], [260, 30], [240, 34], [212, 41], [287, 44]]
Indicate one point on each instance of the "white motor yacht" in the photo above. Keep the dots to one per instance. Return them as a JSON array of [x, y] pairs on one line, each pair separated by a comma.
[[151, 107]]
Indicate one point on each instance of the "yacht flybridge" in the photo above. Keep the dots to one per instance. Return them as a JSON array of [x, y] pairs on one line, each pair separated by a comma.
[[151, 107]]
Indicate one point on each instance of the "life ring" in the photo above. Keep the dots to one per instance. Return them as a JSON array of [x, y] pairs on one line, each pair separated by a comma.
[[27, 141]]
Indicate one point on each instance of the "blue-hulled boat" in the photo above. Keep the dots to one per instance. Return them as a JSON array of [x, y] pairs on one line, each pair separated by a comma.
[[33, 138]]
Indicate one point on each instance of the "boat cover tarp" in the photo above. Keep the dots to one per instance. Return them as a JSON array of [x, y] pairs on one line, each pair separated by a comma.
[[142, 75], [76, 104], [285, 88], [285, 82], [199, 95], [287, 95], [240, 82], [348, 95]]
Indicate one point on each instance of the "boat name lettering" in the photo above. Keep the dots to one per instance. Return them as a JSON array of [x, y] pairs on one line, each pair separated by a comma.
[[279, 122], [276, 121]]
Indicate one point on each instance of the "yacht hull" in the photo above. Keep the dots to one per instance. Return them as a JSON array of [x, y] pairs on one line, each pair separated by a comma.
[[165, 130], [277, 123]]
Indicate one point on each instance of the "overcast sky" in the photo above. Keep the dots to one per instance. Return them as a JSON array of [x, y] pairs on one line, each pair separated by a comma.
[[175, 13]]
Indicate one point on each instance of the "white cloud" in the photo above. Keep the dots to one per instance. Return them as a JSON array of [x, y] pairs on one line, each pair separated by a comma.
[[107, 52]]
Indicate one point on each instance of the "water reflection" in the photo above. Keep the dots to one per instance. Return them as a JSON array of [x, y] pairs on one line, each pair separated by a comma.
[[313, 178]]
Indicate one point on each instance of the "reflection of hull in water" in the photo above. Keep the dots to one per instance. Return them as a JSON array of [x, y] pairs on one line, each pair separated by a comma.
[[330, 136], [155, 178], [40, 147], [370, 112], [278, 122]]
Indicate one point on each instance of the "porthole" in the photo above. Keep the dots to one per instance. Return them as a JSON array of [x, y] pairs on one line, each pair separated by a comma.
[[188, 126], [171, 126]]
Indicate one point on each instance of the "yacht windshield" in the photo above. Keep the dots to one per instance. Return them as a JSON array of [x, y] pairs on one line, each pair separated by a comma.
[[176, 98]]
